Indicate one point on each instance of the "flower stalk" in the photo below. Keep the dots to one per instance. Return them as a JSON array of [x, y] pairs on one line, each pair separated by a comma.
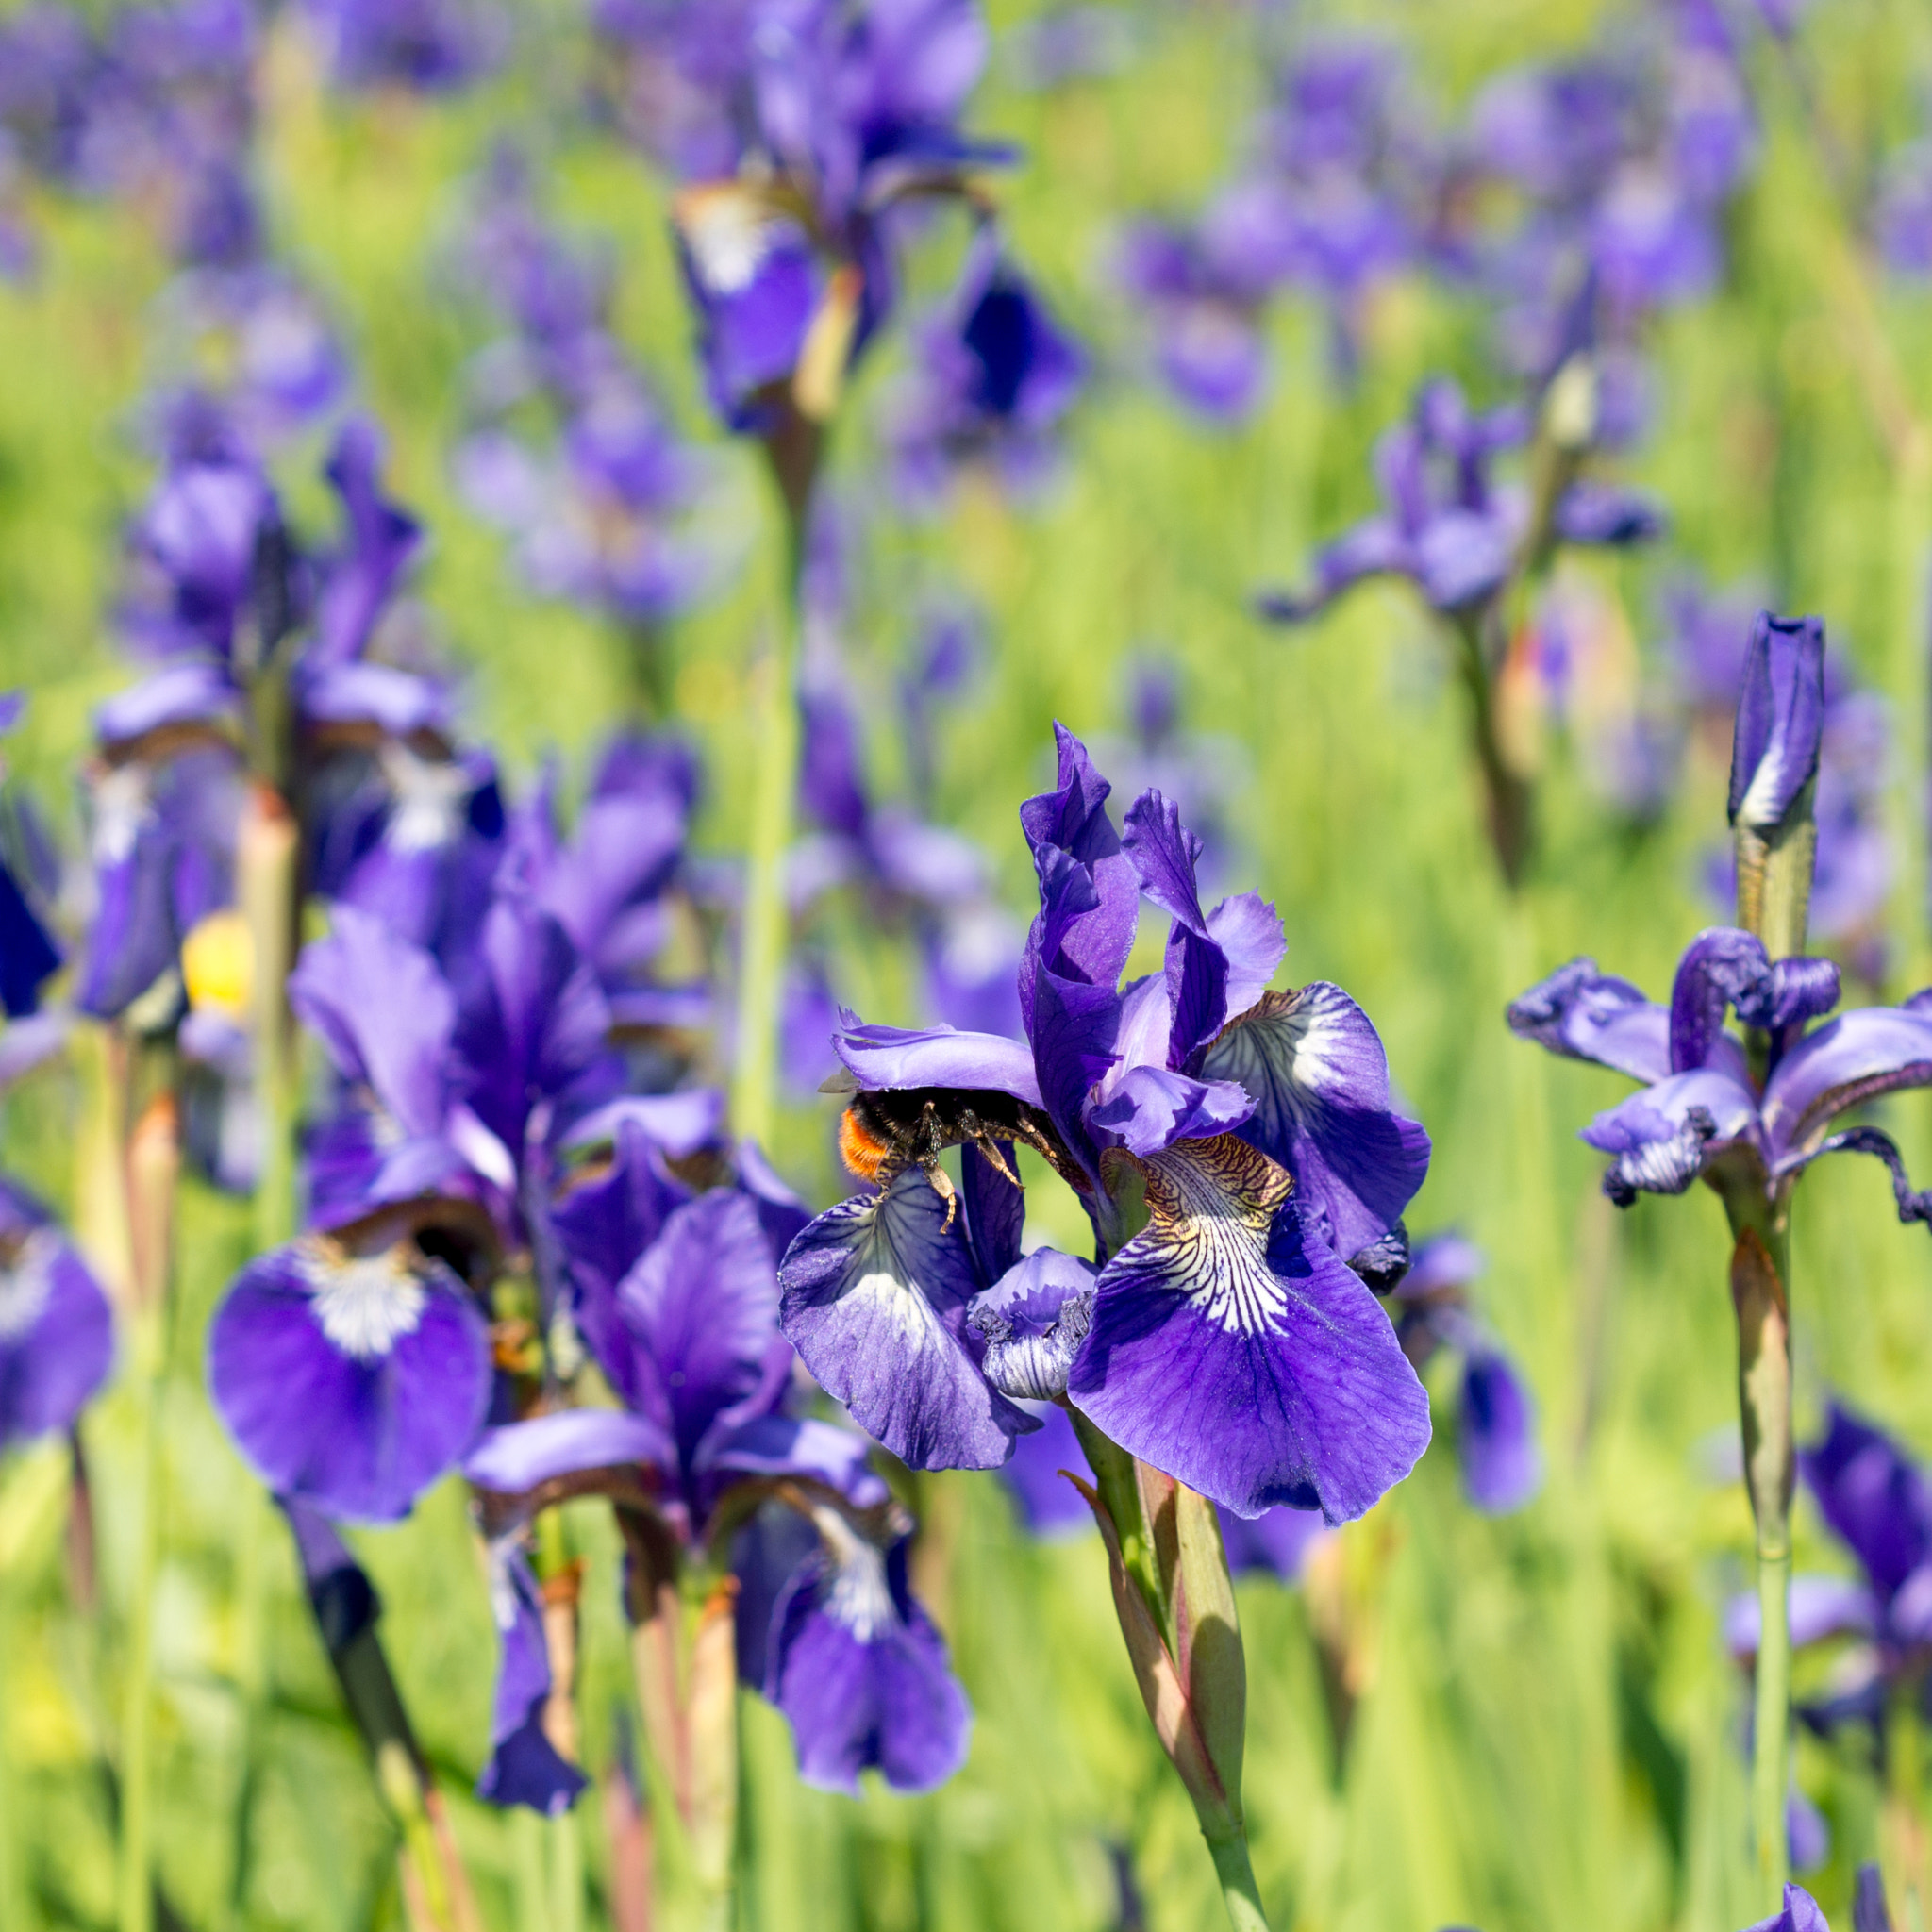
[[795, 445], [154, 1166]]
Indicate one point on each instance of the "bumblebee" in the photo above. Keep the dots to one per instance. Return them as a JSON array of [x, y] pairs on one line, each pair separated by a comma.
[[881, 1134]]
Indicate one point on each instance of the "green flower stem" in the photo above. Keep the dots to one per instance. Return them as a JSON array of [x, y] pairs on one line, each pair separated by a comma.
[[153, 1167], [1760, 1270], [795, 447], [135, 1911], [1507, 795], [16, 1893], [566, 1874], [1239, 1893]]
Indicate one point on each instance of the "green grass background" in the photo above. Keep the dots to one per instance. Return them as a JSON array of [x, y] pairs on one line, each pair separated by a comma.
[[1548, 1732]]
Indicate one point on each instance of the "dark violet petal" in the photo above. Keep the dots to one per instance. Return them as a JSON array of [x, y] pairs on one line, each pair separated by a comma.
[[1780, 720], [524, 1767], [858, 1670], [382, 1009], [349, 1382], [1721, 968], [1374, 548], [874, 1293], [1279, 1541], [1250, 935], [766, 1554], [1072, 819], [1049, 1505], [1151, 1109], [1874, 1495], [701, 1309], [1461, 557], [27, 953], [1314, 1065], [1870, 1912], [887, 1057], [396, 701], [1913, 1204], [1807, 1835], [996, 1210], [1587, 1015], [1164, 854], [1662, 1136], [622, 854], [1847, 1062], [341, 1595], [1502, 1466], [1032, 1320], [1233, 1350], [382, 538], [57, 1334]]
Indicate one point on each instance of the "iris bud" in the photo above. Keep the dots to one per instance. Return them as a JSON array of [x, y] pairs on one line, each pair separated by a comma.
[[1774, 774]]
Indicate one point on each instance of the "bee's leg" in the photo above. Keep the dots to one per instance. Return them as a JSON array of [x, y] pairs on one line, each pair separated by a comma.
[[989, 1149], [941, 1186]]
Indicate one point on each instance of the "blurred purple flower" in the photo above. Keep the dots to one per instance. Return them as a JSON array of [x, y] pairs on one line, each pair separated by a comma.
[[57, 1331], [993, 380], [427, 46]]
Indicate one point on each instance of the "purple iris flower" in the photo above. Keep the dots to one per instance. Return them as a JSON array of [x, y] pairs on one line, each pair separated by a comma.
[[1902, 222], [525, 1767], [28, 952], [1701, 1109], [1228, 1342], [57, 1331], [163, 851], [847, 113], [605, 507], [994, 378], [1502, 1466], [427, 46], [1876, 1500], [1446, 526], [351, 1372], [1203, 289], [675, 1294]]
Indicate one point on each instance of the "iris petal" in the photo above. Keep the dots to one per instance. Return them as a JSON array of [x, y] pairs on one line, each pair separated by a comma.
[[1232, 1349], [1315, 1066], [874, 1298]]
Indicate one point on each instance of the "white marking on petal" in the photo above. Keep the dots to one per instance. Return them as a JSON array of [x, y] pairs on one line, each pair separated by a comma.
[[859, 1599], [123, 805], [1211, 1203], [430, 798], [26, 1283], [729, 235], [365, 1304]]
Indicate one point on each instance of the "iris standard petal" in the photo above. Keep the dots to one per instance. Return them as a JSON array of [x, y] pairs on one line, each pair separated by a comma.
[[1799, 1913], [350, 1382], [896, 1057], [1860, 1055], [384, 1011], [524, 1767], [1232, 1349], [700, 1306], [1164, 854], [1315, 1066], [858, 1670], [874, 1293], [1249, 933]]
